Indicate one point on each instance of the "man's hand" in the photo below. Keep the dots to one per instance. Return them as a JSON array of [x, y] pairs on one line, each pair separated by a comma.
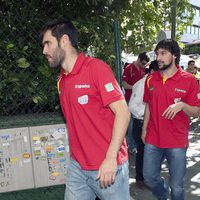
[[143, 135], [172, 110], [107, 172]]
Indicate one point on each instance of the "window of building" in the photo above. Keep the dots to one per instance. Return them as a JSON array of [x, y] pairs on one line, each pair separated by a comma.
[[192, 30]]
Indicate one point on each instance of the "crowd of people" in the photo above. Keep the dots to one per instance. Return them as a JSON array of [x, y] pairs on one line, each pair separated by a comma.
[[98, 115]]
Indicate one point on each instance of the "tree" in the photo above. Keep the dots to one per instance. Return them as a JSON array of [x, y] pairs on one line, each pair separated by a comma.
[[146, 18], [24, 71]]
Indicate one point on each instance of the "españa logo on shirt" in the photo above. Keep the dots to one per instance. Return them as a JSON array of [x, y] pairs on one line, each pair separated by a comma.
[[180, 90], [79, 86]]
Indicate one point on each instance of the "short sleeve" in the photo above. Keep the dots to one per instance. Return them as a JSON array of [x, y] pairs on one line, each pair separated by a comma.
[[105, 82], [146, 96], [126, 74]]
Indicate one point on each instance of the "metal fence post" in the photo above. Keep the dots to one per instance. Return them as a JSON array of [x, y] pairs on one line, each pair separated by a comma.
[[173, 9], [118, 52]]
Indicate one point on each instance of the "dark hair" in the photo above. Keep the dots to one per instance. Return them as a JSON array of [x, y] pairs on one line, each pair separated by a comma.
[[126, 64], [143, 56], [58, 28], [191, 61], [153, 66], [171, 46]]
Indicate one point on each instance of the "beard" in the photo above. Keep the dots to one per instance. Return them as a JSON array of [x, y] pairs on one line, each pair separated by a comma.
[[57, 58], [166, 66]]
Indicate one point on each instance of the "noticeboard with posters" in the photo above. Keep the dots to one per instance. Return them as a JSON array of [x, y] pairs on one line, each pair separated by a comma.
[[15, 160], [50, 152], [33, 157]]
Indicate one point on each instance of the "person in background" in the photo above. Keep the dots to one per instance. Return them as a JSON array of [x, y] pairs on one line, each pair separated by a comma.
[[197, 74], [133, 73], [190, 68], [172, 96], [97, 117], [137, 106], [195, 70]]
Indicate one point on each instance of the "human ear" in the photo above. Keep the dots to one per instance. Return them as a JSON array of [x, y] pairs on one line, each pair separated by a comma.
[[64, 40]]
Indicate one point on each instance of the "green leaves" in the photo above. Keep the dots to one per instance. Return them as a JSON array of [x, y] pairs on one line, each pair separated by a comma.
[[45, 70], [10, 46], [23, 63]]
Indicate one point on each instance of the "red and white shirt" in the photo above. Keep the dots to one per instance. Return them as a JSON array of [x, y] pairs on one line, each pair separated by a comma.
[[85, 95], [131, 75], [160, 94]]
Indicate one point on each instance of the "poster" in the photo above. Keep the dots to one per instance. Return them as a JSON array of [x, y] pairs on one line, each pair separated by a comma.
[[15, 160], [50, 151]]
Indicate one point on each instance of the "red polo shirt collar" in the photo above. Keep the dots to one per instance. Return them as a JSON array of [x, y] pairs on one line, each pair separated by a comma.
[[176, 76], [77, 66]]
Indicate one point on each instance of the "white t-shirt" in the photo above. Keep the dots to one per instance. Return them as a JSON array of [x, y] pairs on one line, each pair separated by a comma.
[[136, 104]]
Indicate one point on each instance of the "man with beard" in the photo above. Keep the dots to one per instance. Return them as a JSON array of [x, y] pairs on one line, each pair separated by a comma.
[[172, 96], [97, 117]]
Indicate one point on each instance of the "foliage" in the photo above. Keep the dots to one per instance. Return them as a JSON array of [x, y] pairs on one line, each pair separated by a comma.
[[191, 49], [28, 85], [146, 18]]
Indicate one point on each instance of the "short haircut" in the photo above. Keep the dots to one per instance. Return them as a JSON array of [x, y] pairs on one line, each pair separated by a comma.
[[171, 46], [191, 61], [143, 56], [153, 65], [58, 28]]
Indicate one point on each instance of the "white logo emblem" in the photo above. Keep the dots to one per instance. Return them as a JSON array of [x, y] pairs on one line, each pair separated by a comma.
[[198, 95], [83, 99], [176, 100], [109, 87], [82, 86], [179, 90]]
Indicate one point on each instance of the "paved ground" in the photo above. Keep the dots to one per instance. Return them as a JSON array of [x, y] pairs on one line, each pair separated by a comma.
[[192, 187]]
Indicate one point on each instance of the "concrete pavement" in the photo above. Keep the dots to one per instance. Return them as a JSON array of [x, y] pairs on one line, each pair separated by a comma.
[[192, 186]]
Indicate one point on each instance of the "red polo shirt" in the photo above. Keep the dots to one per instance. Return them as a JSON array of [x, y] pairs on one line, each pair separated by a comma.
[[165, 133], [85, 94], [131, 75]]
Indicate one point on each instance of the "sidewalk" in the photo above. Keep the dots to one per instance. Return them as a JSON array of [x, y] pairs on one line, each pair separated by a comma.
[[192, 187]]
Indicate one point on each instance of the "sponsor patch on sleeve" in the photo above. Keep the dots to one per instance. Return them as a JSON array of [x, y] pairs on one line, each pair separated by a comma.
[[109, 87]]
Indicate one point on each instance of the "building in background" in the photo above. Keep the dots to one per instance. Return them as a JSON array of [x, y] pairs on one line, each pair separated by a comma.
[[192, 33]]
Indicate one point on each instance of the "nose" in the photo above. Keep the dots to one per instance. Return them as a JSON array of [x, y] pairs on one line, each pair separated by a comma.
[[157, 57], [45, 50]]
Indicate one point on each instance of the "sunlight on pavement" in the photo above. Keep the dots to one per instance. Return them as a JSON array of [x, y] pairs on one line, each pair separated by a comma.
[[195, 190], [196, 178], [131, 180]]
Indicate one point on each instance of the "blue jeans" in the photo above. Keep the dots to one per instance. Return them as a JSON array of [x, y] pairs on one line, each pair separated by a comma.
[[137, 131], [176, 159], [82, 184], [131, 141]]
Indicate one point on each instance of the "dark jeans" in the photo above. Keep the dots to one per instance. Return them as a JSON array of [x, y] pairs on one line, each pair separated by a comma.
[[137, 131]]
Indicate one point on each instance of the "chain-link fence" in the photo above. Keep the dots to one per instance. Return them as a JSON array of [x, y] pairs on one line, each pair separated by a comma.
[[28, 92]]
